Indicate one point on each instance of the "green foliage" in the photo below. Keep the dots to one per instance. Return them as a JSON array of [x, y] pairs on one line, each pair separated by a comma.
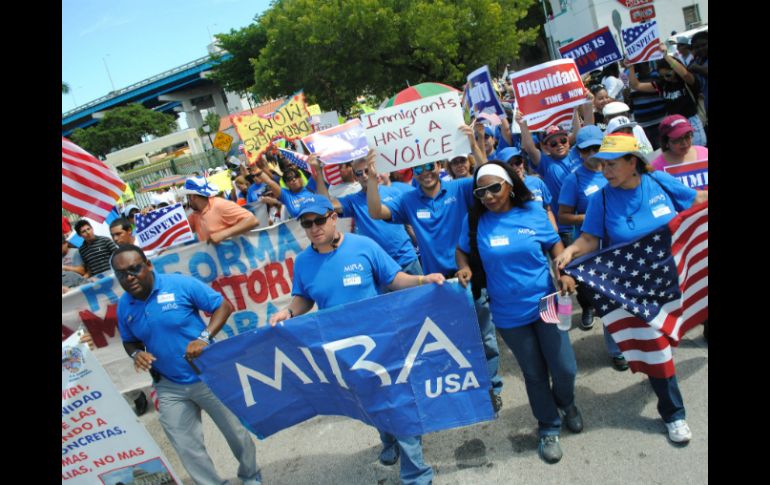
[[236, 73], [65, 88], [123, 127], [338, 50], [212, 119]]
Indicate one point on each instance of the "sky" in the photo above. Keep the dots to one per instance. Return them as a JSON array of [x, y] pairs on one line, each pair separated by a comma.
[[132, 40]]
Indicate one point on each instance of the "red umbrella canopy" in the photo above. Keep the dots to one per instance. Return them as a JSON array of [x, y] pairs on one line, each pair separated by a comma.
[[418, 91]]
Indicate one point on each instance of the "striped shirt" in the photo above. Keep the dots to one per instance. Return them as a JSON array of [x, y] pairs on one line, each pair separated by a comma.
[[97, 254]]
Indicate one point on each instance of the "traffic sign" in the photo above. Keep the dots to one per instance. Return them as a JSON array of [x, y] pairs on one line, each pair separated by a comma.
[[633, 3], [223, 141], [642, 14]]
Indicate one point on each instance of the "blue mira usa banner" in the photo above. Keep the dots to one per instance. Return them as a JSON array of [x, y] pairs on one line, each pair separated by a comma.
[[409, 362]]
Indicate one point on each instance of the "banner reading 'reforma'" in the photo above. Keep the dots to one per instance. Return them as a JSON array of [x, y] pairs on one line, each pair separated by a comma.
[[547, 88], [422, 131], [593, 51], [417, 367], [101, 439]]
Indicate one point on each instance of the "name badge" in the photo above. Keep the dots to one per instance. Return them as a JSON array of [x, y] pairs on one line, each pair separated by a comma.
[[660, 210], [590, 190], [498, 241], [166, 298], [351, 280], [423, 214]]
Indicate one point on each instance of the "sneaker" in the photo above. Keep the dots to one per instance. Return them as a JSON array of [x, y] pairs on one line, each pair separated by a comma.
[[497, 401], [252, 481], [389, 455], [620, 363], [140, 404], [573, 419], [587, 319], [678, 431], [549, 449]]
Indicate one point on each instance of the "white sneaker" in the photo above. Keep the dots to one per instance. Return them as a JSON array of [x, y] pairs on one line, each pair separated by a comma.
[[678, 431]]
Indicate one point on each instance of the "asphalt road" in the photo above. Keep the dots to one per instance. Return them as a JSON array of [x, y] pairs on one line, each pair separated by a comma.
[[624, 440]]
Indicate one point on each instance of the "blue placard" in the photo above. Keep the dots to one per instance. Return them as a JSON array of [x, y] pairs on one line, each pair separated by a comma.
[[339, 144], [482, 94], [409, 363], [592, 51]]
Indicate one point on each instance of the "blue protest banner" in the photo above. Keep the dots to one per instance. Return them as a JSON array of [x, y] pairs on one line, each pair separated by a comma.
[[592, 51], [482, 94], [409, 362], [339, 144]]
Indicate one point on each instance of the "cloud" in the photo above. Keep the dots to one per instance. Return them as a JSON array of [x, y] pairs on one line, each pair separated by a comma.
[[105, 23]]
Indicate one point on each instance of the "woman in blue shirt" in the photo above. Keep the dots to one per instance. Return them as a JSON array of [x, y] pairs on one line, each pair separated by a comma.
[[504, 238], [634, 203]]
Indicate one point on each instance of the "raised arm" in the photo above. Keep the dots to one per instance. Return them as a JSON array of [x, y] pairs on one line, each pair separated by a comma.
[[527, 143], [377, 210], [677, 66], [634, 82], [320, 183], [478, 153], [275, 188]]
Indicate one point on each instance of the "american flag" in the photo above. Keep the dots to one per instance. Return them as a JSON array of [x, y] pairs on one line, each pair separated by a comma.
[[89, 188], [541, 122], [163, 228], [641, 43], [651, 291], [331, 172], [547, 307]]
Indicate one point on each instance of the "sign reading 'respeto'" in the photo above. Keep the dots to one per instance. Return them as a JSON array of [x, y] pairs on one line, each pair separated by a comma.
[[415, 133], [547, 88]]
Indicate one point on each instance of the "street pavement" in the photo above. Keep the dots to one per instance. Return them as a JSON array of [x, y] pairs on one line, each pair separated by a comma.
[[624, 440]]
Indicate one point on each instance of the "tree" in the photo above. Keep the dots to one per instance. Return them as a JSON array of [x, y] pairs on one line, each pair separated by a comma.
[[65, 88], [339, 50], [123, 127], [211, 120], [236, 73]]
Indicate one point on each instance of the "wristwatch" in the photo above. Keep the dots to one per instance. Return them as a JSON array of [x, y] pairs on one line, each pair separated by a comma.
[[205, 336]]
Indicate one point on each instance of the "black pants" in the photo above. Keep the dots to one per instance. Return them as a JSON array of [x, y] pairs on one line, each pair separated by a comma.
[[584, 293]]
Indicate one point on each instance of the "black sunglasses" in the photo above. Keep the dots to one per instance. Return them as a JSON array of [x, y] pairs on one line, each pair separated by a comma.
[[134, 271], [517, 161], [318, 221], [592, 148], [482, 191], [555, 143], [359, 173], [422, 168]]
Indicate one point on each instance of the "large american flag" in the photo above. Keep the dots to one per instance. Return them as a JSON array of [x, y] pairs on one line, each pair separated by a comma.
[[651, 291], [89, 188], [163, 228], [331, 172], [641, 43]]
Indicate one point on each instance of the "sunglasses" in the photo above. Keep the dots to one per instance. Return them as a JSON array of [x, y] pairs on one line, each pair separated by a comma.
[[359, 173], [318, 221], [134, 271], [422, 168], [555, 143], [289, 179], [593, 148], [481, 192], [517, 161]]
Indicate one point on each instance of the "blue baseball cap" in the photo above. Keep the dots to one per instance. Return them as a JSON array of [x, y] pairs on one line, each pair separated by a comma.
[[589, 135], [488, 131], [509, 152], [317, 204]]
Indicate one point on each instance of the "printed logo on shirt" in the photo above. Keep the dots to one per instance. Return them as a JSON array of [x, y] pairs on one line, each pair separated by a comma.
[[660, 210], [353, 267], [166, 298], [495, 241], [657, 198], [388, 198], [450, 200], [590, 190], [351, 280], [527, 232], [168, 307], [423, 214], [537, 194]]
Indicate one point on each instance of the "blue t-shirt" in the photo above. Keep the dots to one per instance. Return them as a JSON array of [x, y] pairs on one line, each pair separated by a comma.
[[538, 189], [579, 186], [554, 172], [167, 321], [511, 246], [255, 192], [391, 237], [401, 186], [436, 222], [293, 201], [633, 213], [351, 272]]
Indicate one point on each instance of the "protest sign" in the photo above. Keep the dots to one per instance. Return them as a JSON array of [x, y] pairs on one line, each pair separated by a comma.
[[641, 43], [483, 96], [289, 121], [693, 174], [418, 367], [592, 51], [561, 118], [223, 141], [162, 228], [338, 144], [422, 131], [252, 271], [101, 439], [548, 88]]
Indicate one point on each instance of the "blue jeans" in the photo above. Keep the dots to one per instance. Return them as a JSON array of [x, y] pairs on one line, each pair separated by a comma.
[[414, 471], [489, 340], [180, 416], [670, 403], [612, 347], [543, 351]]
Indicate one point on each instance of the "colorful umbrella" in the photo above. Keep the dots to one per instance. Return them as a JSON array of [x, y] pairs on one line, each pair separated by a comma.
[[165, 182], [418, 91]]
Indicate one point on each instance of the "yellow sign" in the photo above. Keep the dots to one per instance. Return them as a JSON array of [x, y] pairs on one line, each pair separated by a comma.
[[223, 141], [222, 181], [289, 121], [314, 110]]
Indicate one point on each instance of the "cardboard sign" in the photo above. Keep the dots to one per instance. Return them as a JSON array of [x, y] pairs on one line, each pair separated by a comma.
[[482, 94], [633, 3], [592, 51], [289, 121], [548, 88], [223, 141], [642, 14], [411, 134], [693, 174], [338, 144], [641, 43]]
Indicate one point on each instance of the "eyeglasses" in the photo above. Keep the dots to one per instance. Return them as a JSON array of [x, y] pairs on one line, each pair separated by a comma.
[[517, 161], [555, 143], [359, 173], [481, 192], [591, 149], [134, 271], [422, 168], [318, 221]]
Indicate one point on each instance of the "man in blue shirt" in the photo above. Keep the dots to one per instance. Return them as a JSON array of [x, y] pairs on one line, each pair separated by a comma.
[[159, 322], [338, 268]]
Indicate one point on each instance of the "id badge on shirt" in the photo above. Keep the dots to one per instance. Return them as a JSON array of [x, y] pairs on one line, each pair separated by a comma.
[[496, 241], [166, 298], [590, 190], [660, 210], [423, 214], [351, 280]]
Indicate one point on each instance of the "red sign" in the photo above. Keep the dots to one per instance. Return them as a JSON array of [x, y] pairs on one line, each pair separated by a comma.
[[633, 3], [548, 88], [642, 14]]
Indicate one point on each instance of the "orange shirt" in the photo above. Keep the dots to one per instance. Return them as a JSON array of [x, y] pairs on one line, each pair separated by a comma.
[[218, 215]]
